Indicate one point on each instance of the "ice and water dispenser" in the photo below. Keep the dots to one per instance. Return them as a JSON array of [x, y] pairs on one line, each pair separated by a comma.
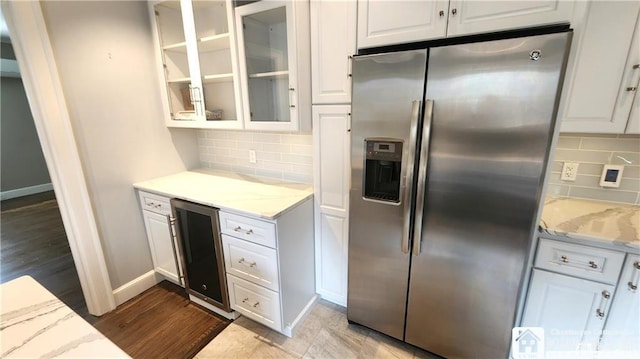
[[382, 169]]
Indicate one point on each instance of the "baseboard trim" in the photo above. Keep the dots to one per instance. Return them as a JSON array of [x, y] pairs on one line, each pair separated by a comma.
[[333, 298], [25, 191], [135, 287], [290, 328]]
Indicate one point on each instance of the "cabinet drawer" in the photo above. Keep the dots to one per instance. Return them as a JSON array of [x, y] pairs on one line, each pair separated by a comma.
[[581, 261], [249, 229], [251, 262], [154, 203], [257, 303]]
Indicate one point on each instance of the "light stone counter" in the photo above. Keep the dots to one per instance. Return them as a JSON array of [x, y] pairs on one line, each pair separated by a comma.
[[603, 224], [36, 324], [232, 192]]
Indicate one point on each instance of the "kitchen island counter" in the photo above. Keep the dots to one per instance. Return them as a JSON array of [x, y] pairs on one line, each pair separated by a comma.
[[36, 324], [232, 192], [598, 223]]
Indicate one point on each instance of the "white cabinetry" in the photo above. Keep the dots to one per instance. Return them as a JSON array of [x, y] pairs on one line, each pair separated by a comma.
[[198, 63], [270, 266], [274, 56], [622, 331], [156, 212], [602, 73], [573, 296], [392, 22], [331, 188], [333, 42]]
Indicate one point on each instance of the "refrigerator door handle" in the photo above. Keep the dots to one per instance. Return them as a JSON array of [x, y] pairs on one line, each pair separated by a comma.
[[422, 176], [409, 158]]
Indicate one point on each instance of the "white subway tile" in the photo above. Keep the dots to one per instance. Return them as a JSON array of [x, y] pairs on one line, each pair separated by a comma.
[[269, 156], [296, 177], [611, 144], [268, 147], [266, 137], [296, 139], [273, 165], [269, 173], [302, 149], [249, 145], [297, 159], [225, 143]]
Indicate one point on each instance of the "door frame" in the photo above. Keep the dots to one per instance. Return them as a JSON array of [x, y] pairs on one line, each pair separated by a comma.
[[35, 57]]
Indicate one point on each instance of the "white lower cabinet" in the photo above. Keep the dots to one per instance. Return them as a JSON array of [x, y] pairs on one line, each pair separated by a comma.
[[622, 331], [569, 309], [586, 299], [270, 266], [331, 187], [155, 212]]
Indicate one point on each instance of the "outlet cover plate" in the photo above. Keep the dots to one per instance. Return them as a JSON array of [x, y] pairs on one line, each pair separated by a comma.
[[569, 171]]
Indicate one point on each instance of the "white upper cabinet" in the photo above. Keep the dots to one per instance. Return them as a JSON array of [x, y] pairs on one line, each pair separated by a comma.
[[471, 17], [198, 62], [385, 22], [392, 22], [603, 73], [274, 57], [333, 42]]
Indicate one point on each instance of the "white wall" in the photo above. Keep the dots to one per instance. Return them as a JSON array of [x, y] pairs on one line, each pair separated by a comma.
[[105, 57]]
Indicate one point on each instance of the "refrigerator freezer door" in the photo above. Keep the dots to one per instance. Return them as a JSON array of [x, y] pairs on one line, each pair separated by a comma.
[[494, 111], [387, 94]]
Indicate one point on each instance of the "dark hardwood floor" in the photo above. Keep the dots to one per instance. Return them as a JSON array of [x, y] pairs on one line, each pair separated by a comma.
[[159, 323], [33, 242]]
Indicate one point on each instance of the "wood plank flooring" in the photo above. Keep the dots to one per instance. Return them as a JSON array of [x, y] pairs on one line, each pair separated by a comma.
[[161, 323], [33, 242]]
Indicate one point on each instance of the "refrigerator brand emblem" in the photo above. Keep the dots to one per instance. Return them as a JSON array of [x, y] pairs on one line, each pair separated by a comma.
[[535, 55]]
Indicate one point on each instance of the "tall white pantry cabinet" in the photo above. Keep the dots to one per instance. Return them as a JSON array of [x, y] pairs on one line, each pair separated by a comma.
[[333, 42]]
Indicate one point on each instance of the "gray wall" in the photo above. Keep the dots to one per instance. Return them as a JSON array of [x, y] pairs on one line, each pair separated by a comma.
[[592, 152], [106, 61], [21, 161]]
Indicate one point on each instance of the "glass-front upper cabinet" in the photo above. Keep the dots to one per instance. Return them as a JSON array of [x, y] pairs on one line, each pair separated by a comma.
[[274, 57], [198, 60]]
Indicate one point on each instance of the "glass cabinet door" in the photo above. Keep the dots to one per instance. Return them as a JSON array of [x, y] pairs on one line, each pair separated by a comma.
[[266, 48], [199, 60], [169, 21]]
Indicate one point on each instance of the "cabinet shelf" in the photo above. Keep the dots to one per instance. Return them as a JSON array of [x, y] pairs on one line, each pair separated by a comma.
[[217, 78], [214, 43], [180, 80], [270, 75], [178, 47]]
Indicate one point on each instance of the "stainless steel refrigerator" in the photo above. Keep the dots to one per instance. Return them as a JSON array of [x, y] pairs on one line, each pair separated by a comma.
[[449, 146]]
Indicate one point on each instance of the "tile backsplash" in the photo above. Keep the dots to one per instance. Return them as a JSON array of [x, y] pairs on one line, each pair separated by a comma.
[[286, 156], [592, 151]]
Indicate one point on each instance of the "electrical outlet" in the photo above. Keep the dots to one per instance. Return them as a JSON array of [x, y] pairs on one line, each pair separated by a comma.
[[569, 171], [252, 156]]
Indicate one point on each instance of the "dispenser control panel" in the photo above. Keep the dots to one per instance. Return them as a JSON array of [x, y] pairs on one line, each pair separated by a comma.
[[383, 170]]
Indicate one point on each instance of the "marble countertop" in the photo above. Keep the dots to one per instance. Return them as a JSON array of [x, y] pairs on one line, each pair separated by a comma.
[[610, 224], [36, 324], [232, 192]]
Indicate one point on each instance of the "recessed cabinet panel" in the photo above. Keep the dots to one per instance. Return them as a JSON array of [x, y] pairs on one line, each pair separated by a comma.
[[391, 22], [572, 311], [600, 70], [161, 245], [333, 42], [470, 17]]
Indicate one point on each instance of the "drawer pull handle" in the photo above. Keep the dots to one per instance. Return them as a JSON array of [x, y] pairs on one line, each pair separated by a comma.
[[253, 305], [243, 261], [634, 277], [239, 229], [245, 300], [593, 264], [564, 259], [257, 304], [603, 303]]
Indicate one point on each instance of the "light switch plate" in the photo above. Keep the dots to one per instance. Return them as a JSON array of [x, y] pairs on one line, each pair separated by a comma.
[[611, 176], [252, 156]]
